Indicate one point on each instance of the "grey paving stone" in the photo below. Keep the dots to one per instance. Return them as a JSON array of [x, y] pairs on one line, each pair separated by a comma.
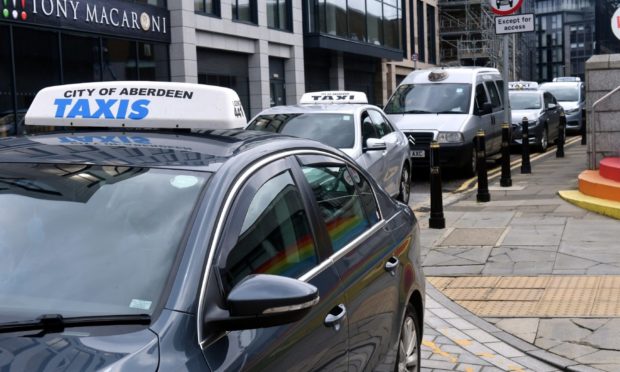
[[504, 349], [606, 337], [473, 236], [572, 350], [444, 314], [534, 235], [517, 254], [552, 358], [480, 335], [534, 364], [453, 270], [515, 341], [429, 363], [533, 268], [498, 268], [566, 262], [468, 367], [546, 343], [595, 251], [608, 367], [591, 324], [601, 357], [561, 330], [461, 324], [524, 328], [603, 269], [598, 230], [484, 220], [582, 368], [452, 256], [538, 220]]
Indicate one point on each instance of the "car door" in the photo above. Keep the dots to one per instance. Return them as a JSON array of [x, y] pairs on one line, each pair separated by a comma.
[[552, 111], [494, 135], [484, 121], [393, 153], [271, 230], [372, 160], [366, 259]]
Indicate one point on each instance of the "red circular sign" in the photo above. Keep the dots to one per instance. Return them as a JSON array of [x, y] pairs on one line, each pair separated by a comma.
[[505, 7]]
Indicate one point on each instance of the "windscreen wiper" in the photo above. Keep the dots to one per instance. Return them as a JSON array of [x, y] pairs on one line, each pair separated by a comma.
[[50, 323], [416, 112]]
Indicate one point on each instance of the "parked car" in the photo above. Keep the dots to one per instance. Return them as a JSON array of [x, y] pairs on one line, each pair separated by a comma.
[[346, 121], [571, 95], [172, 241], [449, 105], [543, 114]]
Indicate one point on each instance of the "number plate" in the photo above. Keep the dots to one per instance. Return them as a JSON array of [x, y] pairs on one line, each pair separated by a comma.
[[417, 153]]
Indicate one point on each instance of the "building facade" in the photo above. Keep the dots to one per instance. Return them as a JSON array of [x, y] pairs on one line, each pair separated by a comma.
[[46, 43]]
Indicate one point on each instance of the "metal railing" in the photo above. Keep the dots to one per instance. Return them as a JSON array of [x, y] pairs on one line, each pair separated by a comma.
[[593, 120]]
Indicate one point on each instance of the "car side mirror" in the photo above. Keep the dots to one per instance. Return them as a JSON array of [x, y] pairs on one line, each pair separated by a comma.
[[375, 144], [264, 300], [486, 109]]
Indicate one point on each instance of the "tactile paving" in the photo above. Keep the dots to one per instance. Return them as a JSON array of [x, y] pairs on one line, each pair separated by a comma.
[[610, 282], [501, 308], [507, 294], [439, 282], [475, 282], [467, 293], [574, 282], [523, 282]]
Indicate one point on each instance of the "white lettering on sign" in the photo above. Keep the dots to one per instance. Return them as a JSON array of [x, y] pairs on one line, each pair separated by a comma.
[[514, 24]]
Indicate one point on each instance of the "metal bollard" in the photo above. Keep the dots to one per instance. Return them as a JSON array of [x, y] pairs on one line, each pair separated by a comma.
[[483, 195], [559, 151], [526, 167], [436, 220], [505, 181], [583, 130]]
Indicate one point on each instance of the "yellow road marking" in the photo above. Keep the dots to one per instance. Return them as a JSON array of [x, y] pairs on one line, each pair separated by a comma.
[[486, 355], [463, 342], [469, 369], [515, 368], [431, 345]]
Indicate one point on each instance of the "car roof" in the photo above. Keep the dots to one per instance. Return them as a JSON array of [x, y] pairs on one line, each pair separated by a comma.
[[455, 75], [203, 151], [560, 84], [348, 108]]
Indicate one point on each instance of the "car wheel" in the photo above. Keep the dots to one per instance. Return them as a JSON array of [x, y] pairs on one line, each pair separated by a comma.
[[409, 343], [405, 185], [543, 143], [471, 168]]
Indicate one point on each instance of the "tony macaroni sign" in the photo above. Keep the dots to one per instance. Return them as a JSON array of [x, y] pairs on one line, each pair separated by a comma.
[[113, 17]]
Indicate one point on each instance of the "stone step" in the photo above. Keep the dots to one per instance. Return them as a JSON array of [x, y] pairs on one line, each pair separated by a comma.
[[597, 205], [610, 169], [593, 184]]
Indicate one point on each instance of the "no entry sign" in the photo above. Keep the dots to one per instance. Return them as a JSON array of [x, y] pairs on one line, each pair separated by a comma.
[[615, 23], [505, 7]]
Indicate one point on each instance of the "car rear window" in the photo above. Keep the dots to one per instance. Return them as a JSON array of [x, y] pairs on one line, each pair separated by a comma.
[[336, 130]]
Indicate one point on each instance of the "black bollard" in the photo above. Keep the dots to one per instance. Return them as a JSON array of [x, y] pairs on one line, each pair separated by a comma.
[[483, 195], [505, 181], [437, 220], [559, 151], [583, 129], [526, 167]]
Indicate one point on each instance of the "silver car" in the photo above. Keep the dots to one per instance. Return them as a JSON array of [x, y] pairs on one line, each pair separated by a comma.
[[346, 121], [571, 96], [543, 114]]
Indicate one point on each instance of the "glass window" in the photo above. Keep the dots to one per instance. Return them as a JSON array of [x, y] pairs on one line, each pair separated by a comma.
[[80, 59], [278, 14], [153, 62], [336, 130], [211, 7], [357, 20], [244, 10], [275, 236], [336, 17], [421, 34], [117, 229], [524, 100], [119, 60], [374, 22], [430, 98], [368, 128], [495, 100], [382, 126], [341, 203], [37, 64], [391, 26], [432, 50]]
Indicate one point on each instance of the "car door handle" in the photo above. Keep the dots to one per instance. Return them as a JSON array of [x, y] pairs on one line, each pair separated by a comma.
[[391, 265], [335, 316]]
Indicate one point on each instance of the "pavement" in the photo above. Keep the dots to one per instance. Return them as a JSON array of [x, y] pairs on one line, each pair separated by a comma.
[[526, 281]]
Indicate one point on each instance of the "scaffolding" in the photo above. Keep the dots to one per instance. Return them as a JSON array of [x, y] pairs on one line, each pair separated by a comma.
[[467, 34]]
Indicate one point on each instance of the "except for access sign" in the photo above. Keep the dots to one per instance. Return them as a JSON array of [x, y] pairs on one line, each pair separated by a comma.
[[514, 24], [505, 7]]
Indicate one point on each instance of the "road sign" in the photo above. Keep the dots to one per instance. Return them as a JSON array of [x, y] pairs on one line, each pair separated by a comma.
[[414, 57], [505, 7], [615, 23], [514, 24]]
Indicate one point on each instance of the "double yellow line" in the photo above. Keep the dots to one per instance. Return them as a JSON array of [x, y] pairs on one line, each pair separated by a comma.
[[470, 184]]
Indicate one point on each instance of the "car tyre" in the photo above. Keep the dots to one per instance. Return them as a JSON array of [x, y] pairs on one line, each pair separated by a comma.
[[543, 142], [405, 185], [471, 167], [409, 342]]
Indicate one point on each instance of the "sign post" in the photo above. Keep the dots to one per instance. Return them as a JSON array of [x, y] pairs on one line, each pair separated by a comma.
[[512, 24]]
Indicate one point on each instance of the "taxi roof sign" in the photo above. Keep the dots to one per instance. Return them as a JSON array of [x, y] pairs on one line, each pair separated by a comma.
[[137, 104], [522, 85], [330, 97]]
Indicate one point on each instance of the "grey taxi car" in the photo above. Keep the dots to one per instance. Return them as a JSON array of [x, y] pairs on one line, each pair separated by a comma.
[[148, 239], [346, 121], [570, 93], [543, 114]]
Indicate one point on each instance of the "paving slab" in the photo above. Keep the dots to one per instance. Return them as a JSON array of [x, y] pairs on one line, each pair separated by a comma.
[[473, 236]]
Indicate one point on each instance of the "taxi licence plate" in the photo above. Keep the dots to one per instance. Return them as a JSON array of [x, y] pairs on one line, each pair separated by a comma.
[[417, 153]]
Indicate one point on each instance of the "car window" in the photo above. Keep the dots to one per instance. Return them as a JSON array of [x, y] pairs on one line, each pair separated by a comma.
[[548, 99], [275, 237], [382, 126], [481, 96], [368, 128], [345, 200], [495, 101]]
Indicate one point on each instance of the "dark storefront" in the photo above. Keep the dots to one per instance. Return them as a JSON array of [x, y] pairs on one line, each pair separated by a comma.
[[45, 42]]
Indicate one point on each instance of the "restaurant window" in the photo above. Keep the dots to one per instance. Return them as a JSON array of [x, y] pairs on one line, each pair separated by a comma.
[[153, 62], [357, 21], [432, 46], [335, 17], [245, 11], [374, 19], [279, 14], [37, 64], [421, 34], [80, 59], [209, 7], [119, 60]]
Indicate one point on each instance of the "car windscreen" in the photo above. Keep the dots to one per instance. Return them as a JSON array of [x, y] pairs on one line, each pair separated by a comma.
[[525, 101], [336, 130], [82, 240], [563, 93], [444, 98]]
